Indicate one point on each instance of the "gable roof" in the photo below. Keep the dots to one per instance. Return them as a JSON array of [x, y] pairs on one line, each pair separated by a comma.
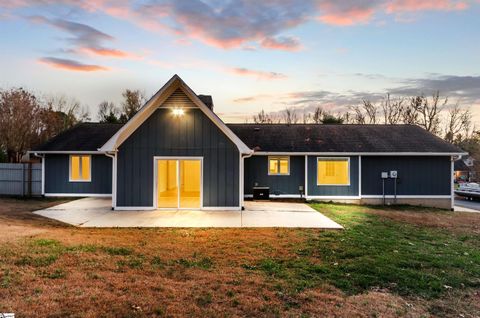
[[144, 113], [341, 139], [82, 137], [459, 165]]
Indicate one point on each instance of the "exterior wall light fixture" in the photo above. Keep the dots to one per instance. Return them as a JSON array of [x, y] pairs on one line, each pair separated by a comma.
[[177, 112]]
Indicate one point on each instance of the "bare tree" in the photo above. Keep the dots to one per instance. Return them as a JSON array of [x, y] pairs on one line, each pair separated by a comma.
[[393, 110], [429, 111], [108, 113], [262, 118], [133, 101], [60, 113], [458, 124], [358, 116], [290, 116], [317, 116], [370, 112], [307, 117]]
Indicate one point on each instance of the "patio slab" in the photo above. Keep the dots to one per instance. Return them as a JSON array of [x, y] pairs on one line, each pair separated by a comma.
[[96, 212]]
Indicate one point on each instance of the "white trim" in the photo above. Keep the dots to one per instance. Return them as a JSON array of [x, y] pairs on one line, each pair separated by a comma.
[[67, 152], [452, 183], [407, 196], [103, 195], [81, 167], [330, 197], [134, 208], [155, 181], [305, 187], [221, 208], [447, 154], [335, 185], [277, 196], [151, 208], [360, 175], [148, 109], [278, 158]]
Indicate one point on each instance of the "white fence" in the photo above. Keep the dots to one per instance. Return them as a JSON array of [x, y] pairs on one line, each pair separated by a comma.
[[24, 179]]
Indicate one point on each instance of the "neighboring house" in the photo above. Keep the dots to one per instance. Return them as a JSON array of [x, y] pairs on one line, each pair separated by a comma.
[[177, 153], [464, 170]]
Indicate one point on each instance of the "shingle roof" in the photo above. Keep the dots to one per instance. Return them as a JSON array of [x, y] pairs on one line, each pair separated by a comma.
[[82, 137], [459, 165], [340, 138], [284, 138]]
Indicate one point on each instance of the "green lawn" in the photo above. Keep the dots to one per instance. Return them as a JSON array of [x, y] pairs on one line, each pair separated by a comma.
[[374, 251]]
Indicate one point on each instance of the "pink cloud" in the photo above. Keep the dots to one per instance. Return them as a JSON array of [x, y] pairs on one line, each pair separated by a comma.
[[282, 43], [424, 5], [347, 18], [71, 65], [241, 71]]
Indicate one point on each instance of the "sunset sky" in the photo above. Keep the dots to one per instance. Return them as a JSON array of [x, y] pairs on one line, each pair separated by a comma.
[[248, 55]]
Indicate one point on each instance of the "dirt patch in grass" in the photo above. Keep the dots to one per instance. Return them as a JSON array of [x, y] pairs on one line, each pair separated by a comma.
[[460, 222], [16, 211], [17, 219]]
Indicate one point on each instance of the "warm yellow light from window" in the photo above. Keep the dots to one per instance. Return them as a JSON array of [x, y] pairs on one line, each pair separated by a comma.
[[278, 166], [178, 112], [80, 168], [333, 172]]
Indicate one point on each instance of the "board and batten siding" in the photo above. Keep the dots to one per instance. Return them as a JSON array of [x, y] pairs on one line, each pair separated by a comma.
[[57, 176], [416, 175], [190, 135], [325, 190], [256, 173]]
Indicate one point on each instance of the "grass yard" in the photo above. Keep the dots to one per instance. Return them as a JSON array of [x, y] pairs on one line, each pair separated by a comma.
[[388, 262]]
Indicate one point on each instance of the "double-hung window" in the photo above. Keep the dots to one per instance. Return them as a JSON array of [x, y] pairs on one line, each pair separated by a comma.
[[278, 166], [333, 171], [80, 168]]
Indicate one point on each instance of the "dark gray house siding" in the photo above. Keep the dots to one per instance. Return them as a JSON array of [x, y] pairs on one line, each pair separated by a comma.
[[416, 175], [192, 134], [256, 172], [316, 190], [57, 176]]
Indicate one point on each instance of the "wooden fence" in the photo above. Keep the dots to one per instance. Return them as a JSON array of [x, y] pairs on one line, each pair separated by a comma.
[[22, 179]]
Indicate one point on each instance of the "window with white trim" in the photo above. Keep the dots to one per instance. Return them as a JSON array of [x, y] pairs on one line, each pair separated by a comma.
[[278, 166], [80, 168], [333, 171]]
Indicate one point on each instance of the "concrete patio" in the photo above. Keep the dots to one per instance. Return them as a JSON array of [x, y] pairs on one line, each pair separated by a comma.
[[96, 212]]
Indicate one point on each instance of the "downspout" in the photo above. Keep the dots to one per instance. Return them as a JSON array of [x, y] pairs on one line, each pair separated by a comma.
[[113, 155], [43, 171], [242, 177]]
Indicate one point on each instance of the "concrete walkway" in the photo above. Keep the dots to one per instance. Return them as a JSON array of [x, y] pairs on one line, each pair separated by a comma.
[[96, 212]]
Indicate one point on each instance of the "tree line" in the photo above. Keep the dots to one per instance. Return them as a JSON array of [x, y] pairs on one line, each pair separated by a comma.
[[435, 114], [28, 119]]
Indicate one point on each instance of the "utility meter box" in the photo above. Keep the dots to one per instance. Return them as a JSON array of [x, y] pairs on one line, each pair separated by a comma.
[[384, 175], [393, 174]]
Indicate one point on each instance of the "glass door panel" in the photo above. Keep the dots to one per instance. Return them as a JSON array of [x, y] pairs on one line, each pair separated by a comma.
[[190, 183], [167, 184]]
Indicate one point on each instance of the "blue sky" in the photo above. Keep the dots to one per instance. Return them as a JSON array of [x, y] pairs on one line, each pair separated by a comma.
[[248, 55]]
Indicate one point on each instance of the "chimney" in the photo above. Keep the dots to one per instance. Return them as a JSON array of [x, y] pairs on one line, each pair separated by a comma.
[[207, 100]]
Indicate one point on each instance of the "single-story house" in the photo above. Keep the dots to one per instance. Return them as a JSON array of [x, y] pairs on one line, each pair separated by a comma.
[[176, 153]]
